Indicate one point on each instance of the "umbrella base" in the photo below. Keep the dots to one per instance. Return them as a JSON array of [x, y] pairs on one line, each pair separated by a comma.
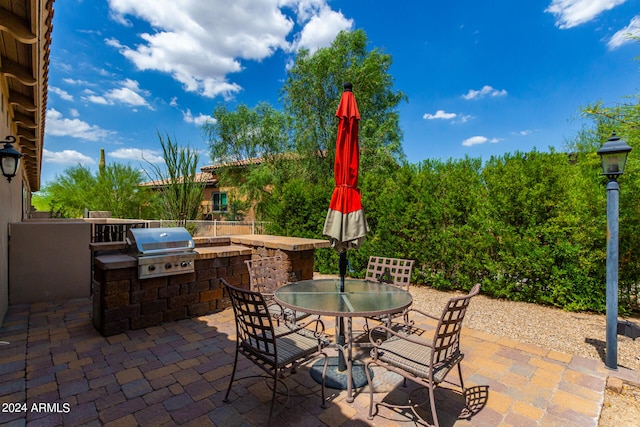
[[338, 379]]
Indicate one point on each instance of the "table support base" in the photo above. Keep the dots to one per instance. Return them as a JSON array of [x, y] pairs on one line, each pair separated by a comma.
[[338, 379]]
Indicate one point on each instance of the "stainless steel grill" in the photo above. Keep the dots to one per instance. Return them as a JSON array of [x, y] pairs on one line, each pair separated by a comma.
[[162, 251]]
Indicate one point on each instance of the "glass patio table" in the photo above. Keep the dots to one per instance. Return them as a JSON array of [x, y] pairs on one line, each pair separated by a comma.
[[360, 299]]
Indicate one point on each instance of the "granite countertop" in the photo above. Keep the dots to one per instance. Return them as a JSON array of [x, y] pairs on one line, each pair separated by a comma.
[[280, 242]]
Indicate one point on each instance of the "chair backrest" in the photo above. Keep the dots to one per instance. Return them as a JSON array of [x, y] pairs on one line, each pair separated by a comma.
[[394, 271], [446, 340], [253, 322], [267, 274]]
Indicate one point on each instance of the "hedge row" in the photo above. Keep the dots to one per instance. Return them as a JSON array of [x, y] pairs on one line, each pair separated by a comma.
[[528, 226]]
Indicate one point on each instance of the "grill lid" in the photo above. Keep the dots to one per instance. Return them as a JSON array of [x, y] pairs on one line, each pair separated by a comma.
[[155, 241]]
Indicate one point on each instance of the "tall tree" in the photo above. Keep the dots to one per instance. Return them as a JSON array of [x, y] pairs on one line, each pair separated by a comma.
[[247, 133], [307, 128], [312, 92]]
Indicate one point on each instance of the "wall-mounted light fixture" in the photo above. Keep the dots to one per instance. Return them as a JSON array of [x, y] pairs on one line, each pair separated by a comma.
[[9, 158]]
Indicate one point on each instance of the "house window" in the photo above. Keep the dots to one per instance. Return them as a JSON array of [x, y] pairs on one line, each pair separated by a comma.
[[219, 202]]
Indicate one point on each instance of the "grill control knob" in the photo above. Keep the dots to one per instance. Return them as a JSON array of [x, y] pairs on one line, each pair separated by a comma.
[[167, 265], [184, 264], [152, 267]]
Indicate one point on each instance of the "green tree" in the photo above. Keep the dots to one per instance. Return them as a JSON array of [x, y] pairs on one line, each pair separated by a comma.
[[311, 95], [299, 144], [249, 133], [246, 133], [624, 119], [72, 192], [181, 188], [115, 190], [118, 190]]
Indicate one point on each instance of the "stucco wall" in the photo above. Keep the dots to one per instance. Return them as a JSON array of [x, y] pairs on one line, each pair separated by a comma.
[[49, 260], [10, 211]]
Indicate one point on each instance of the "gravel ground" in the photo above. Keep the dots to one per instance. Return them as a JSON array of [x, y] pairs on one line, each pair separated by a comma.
[[574, 333]]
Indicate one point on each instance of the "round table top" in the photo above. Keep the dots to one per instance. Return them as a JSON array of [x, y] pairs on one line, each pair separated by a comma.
[[360, 298]]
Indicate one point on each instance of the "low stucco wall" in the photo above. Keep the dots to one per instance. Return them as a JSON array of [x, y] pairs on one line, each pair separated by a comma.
[[49, 260]]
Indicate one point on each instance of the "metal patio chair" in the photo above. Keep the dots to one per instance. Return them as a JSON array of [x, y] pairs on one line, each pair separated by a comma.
[[394, 271], [277, 350], [423, 361], [266, 275]]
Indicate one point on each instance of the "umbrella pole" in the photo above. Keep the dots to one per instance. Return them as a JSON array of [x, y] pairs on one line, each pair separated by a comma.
[[342, 265]]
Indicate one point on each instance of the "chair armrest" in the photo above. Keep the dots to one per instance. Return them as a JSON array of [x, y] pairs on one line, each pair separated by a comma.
[[423, 313], [391, 333], [318, 330]]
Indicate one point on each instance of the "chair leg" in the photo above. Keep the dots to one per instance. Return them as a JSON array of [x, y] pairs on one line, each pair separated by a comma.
[[324, 376], [233, 374], [273, 396], [432, 398], [460, 375], [370, 383]]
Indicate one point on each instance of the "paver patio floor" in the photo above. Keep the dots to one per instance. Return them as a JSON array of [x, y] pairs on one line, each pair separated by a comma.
[[58, 370]]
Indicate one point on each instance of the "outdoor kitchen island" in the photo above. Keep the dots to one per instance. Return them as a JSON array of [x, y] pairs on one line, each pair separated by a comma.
[[123, 301]]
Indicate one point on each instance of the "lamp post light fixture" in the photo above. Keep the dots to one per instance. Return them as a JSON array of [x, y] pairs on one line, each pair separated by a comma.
[[613, 155], [9, 158]]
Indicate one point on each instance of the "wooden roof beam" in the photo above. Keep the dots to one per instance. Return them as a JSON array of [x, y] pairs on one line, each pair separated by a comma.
[[15, 25], [17, 71], [16, 98]]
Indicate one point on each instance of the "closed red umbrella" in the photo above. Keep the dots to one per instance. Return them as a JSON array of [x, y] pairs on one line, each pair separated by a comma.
[[346, 225]]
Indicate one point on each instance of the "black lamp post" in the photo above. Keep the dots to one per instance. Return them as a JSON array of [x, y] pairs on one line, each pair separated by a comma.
[[613, 155], [9, 158]]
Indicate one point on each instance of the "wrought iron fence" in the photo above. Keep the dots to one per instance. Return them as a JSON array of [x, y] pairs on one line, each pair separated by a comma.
[[220, 228], [113, 232]]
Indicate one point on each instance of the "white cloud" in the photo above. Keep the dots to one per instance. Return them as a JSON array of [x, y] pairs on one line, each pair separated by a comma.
[[443, 115], [199, 120], [321, 29], [129, 94], [625, 35], [440, 114], [151, 156], [61, 93], [476, 140], [77, 82], [58, 125], [201, 43], [66, 157], [485, 91], [571, 13]]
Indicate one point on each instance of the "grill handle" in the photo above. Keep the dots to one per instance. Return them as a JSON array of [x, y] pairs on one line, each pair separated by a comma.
[[164, 251]]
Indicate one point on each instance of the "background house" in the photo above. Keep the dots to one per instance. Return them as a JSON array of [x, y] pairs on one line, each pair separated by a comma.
[[221, 198], [210, 188], [216, 200], [25, 38]]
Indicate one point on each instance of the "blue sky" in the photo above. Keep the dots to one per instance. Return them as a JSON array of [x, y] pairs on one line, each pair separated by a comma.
[[482, 78]]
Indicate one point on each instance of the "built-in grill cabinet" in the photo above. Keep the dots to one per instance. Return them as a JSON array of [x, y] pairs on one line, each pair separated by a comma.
[[162, 251]]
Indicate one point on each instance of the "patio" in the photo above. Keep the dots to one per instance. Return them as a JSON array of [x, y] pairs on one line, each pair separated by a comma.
[[177, 374]]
